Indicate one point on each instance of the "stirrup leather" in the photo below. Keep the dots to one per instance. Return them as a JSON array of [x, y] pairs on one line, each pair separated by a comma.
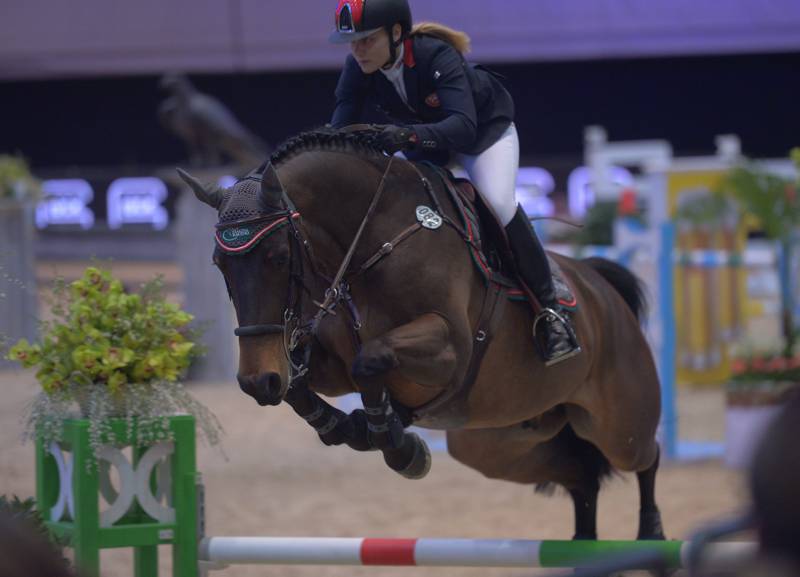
[[550, 315]]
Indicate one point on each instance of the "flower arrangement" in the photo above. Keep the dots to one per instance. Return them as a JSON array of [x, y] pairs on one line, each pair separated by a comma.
[[763, 378], [114, 354]]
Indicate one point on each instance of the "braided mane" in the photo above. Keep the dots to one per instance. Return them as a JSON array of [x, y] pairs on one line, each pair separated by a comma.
[[357, 141]]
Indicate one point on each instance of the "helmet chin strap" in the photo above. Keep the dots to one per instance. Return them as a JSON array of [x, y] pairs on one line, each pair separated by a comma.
[[392, 48]]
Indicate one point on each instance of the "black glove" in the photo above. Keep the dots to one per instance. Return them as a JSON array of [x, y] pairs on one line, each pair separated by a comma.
[[394, 138]]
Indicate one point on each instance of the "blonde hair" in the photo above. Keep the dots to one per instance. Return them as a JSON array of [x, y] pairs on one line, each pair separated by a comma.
[[455, 38]]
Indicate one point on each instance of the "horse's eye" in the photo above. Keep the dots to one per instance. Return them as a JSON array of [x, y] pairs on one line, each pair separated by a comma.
[[279, 256]]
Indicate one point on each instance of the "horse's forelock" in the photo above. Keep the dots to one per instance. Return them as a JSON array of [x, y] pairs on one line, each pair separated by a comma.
[[243, 200]]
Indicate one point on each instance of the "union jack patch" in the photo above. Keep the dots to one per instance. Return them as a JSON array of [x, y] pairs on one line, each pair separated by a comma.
[[433, 100]]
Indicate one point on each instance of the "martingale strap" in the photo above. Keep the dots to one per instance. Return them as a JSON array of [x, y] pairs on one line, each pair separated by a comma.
[[242, 237]]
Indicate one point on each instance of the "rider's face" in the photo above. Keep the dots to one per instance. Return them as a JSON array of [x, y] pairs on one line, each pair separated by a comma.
[[371, 52]]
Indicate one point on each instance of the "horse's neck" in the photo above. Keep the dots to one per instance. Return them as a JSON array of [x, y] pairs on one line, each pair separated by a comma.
[[332, 193]]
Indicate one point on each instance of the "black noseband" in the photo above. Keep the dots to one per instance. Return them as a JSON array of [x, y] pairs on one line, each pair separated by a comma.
[[258, 330]]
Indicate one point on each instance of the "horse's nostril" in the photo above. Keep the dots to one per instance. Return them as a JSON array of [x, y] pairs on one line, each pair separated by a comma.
[[269, 385], [265, 388]]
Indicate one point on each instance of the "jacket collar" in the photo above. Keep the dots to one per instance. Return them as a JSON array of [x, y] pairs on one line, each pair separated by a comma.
[[408, 53], [410, 73]]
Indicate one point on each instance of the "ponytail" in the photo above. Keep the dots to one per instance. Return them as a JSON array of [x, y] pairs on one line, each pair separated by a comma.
[[455, 38]]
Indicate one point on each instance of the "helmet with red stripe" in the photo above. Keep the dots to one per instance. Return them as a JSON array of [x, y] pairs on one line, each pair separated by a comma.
[[356, 19]]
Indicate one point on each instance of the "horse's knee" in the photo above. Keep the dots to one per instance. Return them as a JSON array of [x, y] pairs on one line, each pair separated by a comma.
[[374, 358]]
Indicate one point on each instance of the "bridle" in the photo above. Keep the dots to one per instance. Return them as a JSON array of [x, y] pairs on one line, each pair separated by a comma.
[[296, 280], [299, 251], [298, 335]]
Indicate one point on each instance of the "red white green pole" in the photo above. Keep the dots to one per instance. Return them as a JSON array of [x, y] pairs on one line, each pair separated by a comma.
[[222, 551]]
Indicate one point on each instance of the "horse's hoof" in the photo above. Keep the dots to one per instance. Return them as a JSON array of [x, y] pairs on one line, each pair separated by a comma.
[[650, 527], [417, 465]]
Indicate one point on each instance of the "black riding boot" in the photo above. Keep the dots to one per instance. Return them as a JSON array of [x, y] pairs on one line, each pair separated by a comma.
[[559, 342]]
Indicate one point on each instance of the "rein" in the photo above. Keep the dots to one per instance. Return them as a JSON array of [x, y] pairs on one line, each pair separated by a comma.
[[333, 294], [299, 360], [297, 335]]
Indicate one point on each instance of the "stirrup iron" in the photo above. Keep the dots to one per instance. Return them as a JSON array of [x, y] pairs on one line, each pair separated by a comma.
[[551, 315]]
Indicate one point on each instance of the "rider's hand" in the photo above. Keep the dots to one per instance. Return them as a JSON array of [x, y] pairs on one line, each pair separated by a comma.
[[395, 138]]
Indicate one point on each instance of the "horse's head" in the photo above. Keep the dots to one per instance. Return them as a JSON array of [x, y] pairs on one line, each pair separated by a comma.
[[254, 252]]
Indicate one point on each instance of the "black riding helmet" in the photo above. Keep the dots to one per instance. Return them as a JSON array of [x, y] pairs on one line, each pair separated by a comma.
[[357, 19]]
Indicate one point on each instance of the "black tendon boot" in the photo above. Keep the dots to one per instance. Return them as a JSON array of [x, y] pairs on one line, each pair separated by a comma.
[[552, 323]]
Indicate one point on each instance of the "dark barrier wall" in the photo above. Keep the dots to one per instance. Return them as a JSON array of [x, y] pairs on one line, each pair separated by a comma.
[[112, 121]]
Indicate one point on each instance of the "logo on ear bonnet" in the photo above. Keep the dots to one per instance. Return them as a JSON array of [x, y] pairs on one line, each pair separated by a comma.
[[237, 235]]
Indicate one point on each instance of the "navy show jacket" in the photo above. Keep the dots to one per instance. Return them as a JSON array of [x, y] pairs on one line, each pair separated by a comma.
[[452, 105]]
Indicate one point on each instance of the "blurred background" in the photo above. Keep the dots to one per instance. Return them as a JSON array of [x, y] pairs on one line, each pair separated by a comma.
[[80, 87], [632, 117], [663, 126]]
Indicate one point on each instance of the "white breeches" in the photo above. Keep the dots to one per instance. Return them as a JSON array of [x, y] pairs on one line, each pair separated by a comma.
[[494, 173]]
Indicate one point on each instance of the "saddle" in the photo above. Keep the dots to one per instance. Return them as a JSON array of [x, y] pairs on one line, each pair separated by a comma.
[[484, 234], [488, 244], [491, 253]]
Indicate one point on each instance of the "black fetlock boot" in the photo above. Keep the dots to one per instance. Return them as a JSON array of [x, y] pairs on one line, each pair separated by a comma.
[[552, 323]]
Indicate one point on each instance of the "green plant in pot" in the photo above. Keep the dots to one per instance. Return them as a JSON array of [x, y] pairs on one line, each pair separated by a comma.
[[774, 202], [109, 353], [763, 379]]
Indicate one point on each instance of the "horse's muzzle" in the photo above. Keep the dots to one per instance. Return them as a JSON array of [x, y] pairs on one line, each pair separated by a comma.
[[266, 388]]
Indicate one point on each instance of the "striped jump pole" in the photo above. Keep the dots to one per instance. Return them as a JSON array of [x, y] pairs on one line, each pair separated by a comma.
[[222, 551]]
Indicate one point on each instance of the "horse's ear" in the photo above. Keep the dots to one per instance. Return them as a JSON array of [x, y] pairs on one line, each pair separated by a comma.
[[271, 188], [210, 194]]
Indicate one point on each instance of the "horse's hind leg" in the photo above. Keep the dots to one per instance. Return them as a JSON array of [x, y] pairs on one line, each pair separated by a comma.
[[649, 516], [591, 467], [543, 452], [626, 436], [417, 352]]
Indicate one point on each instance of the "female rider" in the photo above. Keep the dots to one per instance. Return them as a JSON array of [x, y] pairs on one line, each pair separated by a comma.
[[437, 105]]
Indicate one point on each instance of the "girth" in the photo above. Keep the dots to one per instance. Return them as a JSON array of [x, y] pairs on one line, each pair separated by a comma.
[[450, 409]]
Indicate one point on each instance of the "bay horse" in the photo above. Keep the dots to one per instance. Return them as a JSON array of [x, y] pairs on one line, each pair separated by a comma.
[[349, 272]]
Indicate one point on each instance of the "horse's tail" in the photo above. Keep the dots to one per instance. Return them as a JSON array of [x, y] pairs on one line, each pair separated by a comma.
[[594, 466], [629, 287]]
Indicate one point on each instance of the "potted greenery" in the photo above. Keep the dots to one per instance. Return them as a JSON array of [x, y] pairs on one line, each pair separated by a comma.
[[108, 353], [762, 380], [18, 192]]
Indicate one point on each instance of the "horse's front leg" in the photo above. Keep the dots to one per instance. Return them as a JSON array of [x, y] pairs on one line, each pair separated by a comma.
[[333, 426], [420, 352]]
